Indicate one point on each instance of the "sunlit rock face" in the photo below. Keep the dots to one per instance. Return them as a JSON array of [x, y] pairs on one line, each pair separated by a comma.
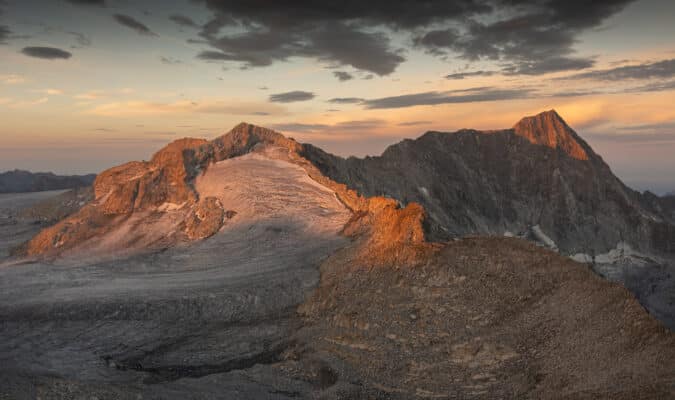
[[549, 129]]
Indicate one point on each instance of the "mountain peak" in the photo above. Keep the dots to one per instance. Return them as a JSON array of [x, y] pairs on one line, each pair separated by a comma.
[[549, 129]]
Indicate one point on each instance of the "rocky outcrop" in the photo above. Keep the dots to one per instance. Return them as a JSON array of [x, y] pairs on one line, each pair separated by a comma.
[[19, 181]]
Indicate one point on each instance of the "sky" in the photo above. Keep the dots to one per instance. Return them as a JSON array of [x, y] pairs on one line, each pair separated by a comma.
[[89, 84]]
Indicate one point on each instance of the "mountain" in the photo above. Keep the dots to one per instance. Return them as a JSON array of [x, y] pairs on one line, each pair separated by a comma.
[[252, 266], [19, 181], [537, 179]]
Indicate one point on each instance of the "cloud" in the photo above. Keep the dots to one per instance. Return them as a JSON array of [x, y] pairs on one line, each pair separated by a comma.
[[340, 127], [663, 137], [92, 95], [343, 76], [414, 123], [653, 87], [139, 107], [169, 60], [81, 40], [12, 79], [530, 37], [100, 3], [462, 75], [183, 21], [29, 103], [50, 92], [651, 70], [548, 65], [290, 97], [448, 97], [525, 35], [346, 100], [47, 53], [133, 24], [319, 30], [5, 34]]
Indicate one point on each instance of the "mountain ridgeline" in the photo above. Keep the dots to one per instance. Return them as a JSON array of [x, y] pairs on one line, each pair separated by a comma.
[[252, 266], [537, 177]]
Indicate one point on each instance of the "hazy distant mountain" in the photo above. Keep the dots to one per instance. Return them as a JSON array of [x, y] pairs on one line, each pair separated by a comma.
[[19, 181]]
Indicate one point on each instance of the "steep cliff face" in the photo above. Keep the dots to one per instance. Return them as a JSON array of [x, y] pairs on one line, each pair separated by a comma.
[[540, 174]]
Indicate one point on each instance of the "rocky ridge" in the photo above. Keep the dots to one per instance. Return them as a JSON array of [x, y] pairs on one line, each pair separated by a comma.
[[538, 174]]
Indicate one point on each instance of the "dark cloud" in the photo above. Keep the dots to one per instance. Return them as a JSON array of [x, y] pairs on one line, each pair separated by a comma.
[[290, 97], [346, 100], [132, 23], [48, 53], [5, 33], [169, 60], [343, 76], [530, 37], [654, 70], [337, 42], [100, 3], [81, 40], [450, 97], [462, 75], [414, 123], [548, 65], [184, 21], [653, 87]]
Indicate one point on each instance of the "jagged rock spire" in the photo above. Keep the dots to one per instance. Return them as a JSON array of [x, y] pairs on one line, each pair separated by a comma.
[[549, 129]]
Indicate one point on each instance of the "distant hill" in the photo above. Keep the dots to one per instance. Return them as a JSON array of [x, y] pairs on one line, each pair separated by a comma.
[[19, 181]]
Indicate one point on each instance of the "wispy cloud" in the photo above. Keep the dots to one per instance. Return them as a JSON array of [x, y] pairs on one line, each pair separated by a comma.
[[343, 75], [291, 97], [447, 97], [649, 70], [346, 100], [47, 53], [134, 24], [140, 107], [339, 127], [12, 79]]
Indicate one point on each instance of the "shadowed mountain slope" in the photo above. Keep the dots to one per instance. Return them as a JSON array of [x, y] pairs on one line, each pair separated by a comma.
[[538, 174]]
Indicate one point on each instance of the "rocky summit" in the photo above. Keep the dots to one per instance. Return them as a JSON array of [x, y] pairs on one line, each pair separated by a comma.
[[456, 265]]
